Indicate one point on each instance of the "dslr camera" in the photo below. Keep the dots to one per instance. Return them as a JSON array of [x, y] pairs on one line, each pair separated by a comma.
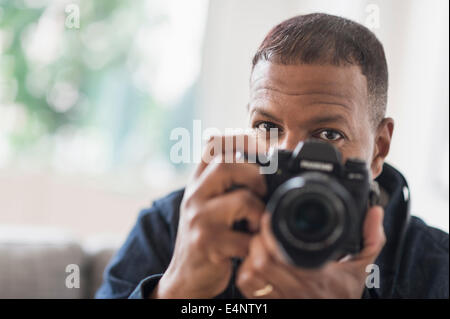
[[317, 203]]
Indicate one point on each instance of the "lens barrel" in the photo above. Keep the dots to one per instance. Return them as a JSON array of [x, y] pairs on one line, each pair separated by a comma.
[[311, 218]]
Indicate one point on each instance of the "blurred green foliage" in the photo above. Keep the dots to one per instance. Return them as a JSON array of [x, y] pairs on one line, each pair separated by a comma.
[[107, 97]]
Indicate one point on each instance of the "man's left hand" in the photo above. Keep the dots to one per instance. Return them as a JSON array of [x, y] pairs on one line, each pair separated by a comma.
[[265, 272]]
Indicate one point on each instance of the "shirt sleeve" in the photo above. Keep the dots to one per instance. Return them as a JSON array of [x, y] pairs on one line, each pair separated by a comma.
[[138, 265], [145, 287]]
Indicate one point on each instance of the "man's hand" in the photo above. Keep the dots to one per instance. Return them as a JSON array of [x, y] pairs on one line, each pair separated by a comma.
[[201, 263], [266, 267]]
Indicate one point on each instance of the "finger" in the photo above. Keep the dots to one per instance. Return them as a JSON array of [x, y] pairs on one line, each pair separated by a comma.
[[236, 205], [226, 244], [373, 235], [227, 147], [249, 283], [219, 177], [269, 239], [264, 264]]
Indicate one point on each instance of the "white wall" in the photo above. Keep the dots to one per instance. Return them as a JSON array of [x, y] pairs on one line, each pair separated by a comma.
[[415, 37]]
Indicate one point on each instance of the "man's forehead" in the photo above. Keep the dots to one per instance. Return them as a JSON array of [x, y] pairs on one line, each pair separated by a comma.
[[307, 79]]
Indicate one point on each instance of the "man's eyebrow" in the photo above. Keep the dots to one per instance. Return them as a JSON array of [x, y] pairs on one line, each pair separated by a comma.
[[264, 113], [317, 120], [327, 119]]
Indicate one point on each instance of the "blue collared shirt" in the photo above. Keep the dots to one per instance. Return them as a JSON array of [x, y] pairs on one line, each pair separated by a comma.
[[414, 262]]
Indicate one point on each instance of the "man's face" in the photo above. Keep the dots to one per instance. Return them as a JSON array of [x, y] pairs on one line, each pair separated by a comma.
[[320, 101]]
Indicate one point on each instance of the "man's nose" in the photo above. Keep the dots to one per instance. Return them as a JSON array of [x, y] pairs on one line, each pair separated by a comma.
[[290, 141]]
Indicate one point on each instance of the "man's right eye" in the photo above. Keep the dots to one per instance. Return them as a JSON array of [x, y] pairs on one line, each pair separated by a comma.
[[266, 126]]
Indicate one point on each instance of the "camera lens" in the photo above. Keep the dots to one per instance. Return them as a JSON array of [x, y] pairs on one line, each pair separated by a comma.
[[310, 215], [310, 219]]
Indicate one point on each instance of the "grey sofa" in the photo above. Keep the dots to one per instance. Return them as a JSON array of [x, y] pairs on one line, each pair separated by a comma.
[[33, 264]]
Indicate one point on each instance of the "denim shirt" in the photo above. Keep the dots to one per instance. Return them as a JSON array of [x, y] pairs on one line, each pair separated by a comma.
[[414, 263]]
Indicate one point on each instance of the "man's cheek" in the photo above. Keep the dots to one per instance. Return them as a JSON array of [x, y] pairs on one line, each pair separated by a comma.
[[360, 150]]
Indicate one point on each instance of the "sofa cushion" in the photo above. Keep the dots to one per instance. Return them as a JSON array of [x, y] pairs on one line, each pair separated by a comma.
[[33, 263]]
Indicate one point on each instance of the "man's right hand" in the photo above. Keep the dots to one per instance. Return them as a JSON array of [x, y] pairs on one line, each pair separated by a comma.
[[205, 243]]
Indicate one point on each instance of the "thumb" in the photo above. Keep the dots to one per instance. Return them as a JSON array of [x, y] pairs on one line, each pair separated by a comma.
[[373, 234]]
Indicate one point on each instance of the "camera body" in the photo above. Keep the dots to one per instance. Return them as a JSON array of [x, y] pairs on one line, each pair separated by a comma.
[[317, 203]]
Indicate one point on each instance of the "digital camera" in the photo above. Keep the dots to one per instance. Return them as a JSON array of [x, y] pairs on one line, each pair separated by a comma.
[[317, 203]]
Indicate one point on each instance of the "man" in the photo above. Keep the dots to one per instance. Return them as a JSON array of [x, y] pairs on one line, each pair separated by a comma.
[[314, 76]]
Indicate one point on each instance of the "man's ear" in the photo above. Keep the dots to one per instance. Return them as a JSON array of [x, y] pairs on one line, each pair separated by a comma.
[[381, 147]]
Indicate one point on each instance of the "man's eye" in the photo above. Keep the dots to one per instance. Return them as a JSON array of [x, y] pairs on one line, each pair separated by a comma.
[[330, 135], [266, 126]]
